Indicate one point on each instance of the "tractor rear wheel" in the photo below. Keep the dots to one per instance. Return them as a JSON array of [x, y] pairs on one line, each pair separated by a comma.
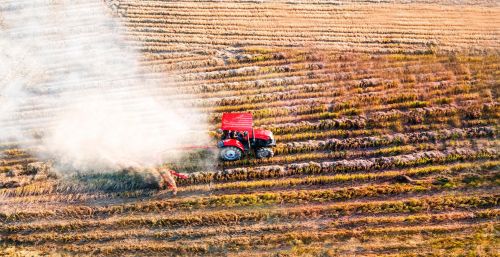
[[230, 153], [264, 153]]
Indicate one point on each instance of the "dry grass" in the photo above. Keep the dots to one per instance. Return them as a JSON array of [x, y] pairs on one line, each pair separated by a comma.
[[386, 117]]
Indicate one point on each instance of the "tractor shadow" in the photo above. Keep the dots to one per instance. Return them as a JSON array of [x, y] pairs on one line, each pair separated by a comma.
[[135, 179], [114, 181], [195, 161]]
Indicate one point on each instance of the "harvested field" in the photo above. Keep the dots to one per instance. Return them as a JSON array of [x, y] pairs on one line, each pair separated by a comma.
[[385, 114]]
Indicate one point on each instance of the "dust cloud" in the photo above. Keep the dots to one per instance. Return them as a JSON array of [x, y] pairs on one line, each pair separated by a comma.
[[72, 90]]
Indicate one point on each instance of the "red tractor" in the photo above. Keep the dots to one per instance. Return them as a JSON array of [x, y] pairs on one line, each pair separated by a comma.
[[239, 137]]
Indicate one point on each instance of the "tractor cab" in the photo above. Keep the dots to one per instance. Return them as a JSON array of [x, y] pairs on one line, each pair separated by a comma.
[[238, 137]]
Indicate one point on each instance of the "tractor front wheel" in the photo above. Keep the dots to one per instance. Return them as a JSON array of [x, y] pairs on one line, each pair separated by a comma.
[[264, 153], [230, 153]]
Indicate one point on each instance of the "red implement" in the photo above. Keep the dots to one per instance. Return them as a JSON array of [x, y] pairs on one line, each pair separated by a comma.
[[179, 175]]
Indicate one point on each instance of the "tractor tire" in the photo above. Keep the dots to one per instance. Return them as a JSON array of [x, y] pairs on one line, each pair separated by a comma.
[[264, 152], [230, 153]]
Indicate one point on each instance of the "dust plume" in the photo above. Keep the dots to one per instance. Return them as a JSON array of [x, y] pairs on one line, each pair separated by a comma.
[[72, 90]]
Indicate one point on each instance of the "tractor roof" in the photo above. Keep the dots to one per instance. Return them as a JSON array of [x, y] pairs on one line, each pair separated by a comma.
[[241, 121]]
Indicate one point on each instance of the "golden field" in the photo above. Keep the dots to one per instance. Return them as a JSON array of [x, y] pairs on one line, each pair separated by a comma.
[[385, 115]]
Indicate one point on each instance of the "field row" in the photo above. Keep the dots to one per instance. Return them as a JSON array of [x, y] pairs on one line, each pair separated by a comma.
[[435, 185], [268, 242], [357, 165], [370, 224], [50, 191]]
